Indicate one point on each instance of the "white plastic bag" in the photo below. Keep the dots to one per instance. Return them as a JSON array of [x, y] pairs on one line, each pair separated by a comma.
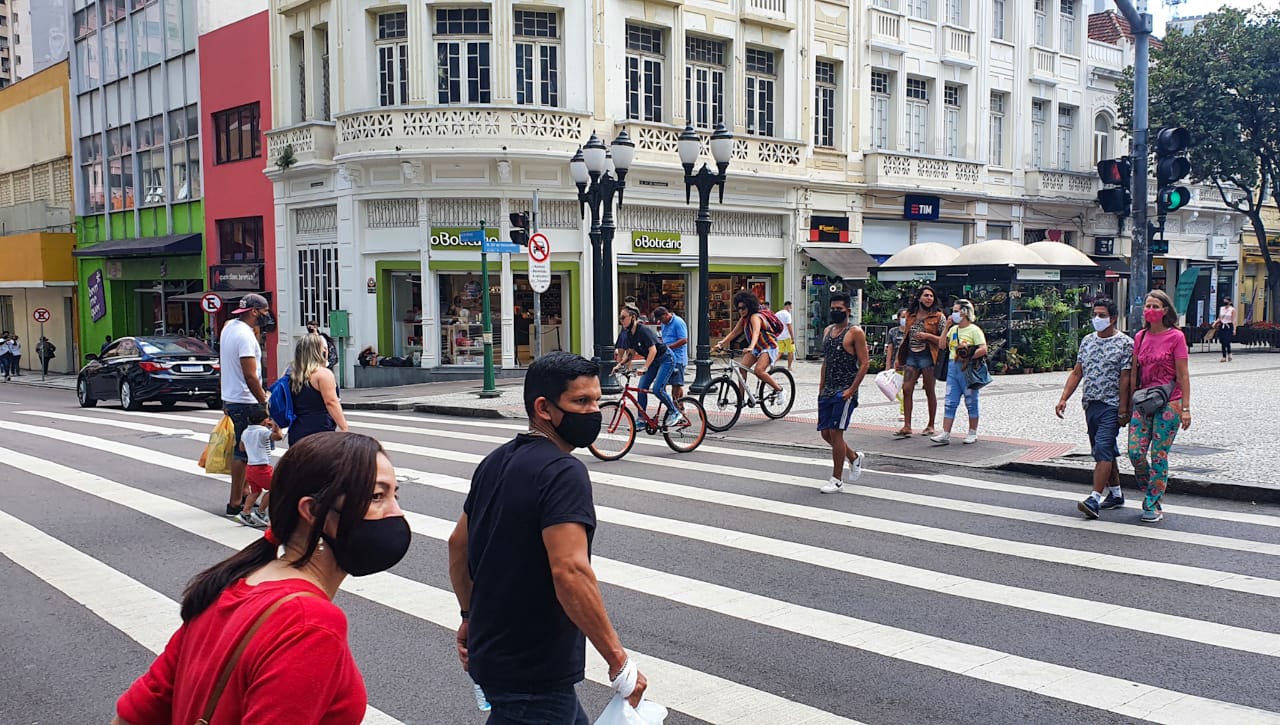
[[620, 712], [890, 383]]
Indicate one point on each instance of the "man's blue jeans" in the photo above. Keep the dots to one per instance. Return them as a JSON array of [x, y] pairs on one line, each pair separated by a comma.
[[554, 707], [655, 379]]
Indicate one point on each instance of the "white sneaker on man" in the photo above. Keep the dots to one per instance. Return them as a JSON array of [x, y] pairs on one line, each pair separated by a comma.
[[854, 470], [834, 485]]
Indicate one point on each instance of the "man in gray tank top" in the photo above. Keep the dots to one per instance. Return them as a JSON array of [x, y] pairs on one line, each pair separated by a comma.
[[844, 365]]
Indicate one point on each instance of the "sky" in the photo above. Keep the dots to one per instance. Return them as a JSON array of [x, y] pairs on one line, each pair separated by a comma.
[[1160, 13]]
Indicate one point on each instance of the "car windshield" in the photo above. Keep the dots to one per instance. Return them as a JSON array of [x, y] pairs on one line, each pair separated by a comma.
[[174, 346]]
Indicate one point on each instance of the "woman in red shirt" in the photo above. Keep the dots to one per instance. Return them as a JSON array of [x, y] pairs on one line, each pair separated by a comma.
[[263, 619]]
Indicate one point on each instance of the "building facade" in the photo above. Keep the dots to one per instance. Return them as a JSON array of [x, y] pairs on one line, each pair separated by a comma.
[[137, 151], [37, 274], [235, 106], [858, 131]]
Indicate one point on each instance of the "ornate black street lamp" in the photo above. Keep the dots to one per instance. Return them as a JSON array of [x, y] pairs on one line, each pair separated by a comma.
[[599, 173], [704, 181]]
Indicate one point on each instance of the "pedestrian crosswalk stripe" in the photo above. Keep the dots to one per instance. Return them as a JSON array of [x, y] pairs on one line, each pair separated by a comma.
[[143, 614], [695, 693], [1118, 695], [774, 456], [987, 544], [1139, 620]]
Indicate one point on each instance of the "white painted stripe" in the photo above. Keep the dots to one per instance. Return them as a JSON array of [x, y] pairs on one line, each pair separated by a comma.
[[775, 456], [143, 614], [1138, 620], [695, 693], [986, 544], [1118, 695]]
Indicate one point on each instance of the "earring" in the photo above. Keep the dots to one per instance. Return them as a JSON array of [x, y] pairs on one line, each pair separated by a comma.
[[320, 546]]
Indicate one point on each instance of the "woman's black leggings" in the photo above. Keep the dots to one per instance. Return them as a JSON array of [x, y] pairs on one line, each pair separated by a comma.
[[1224, 338]]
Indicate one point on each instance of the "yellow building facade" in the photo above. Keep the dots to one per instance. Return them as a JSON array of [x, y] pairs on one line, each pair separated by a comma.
[[36, 216], [1253, 268]]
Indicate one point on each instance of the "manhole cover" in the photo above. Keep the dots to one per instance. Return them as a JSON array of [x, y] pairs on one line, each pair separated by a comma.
[[1196, 450]]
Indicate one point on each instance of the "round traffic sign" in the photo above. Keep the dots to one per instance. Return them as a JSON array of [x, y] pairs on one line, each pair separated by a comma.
[[539, 247], [211, 303], [41, 315]]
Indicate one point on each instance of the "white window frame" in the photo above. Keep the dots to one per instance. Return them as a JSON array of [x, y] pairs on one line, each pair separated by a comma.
[[1066, 137], [1041, 37], [705, 81], [538, 77], [1067, 26], [956, 12], [999, 19], [646, 73], [762, 91], [996, 127], [915, 116], [881, 100], [952, 119], [1037, 133], [469, 54], [826, 83], [921, 9], [1102, 129], [318, 280], [392, 47]]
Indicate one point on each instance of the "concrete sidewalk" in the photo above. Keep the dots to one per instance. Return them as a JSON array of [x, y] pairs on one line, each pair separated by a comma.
[[1232, 449]]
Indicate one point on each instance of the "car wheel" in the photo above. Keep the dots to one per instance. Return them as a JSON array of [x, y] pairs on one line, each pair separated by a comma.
[[168, 403], [214, 404], [127, 400], [82, 393]]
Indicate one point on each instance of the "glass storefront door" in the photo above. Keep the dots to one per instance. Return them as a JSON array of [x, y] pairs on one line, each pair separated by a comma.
[[664, 289], [555, 313], [406, 337], [461, 317]]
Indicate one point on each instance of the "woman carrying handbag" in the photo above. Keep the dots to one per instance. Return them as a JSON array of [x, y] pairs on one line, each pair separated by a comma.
[[1161, 401], [261, 641]]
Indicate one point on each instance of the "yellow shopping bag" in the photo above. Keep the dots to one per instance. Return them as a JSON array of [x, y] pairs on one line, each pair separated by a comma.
[[217, 454]]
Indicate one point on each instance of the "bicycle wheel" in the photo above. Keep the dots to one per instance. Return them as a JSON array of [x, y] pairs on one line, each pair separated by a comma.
[[689, 433], [721, 404], [617, 432], [776, 405]]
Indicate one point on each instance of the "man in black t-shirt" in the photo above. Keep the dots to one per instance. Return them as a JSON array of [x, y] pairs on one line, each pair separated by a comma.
[[520, 558]]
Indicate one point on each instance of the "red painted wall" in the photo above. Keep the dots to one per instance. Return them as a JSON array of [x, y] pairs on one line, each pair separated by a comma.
[[235, 70]]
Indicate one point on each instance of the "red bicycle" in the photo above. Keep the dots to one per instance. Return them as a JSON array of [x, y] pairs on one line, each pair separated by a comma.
[[618, 433]]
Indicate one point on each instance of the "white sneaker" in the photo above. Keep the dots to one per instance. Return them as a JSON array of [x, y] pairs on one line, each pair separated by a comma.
[[833, 485], [261, 518], [854, 471], [942, 439], [972, 437], [675, 419]]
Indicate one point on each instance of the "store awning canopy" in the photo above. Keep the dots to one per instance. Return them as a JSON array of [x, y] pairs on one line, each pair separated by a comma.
[[1113, 265], [849, 262], [173, 244]]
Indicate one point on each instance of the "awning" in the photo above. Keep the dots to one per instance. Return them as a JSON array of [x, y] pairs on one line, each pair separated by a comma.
[[1113, 265], [226, 296], [848, 262], [173, 244]]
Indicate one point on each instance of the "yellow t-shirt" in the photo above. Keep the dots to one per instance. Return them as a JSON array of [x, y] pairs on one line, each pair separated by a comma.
[[972, 334]]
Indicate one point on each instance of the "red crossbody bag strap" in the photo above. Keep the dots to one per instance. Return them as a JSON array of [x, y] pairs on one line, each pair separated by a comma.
[[234, 658]]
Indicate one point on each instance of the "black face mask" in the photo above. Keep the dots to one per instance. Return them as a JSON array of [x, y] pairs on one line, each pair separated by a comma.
[[837, 316], [579, 429], [267, 322], [372, 545]]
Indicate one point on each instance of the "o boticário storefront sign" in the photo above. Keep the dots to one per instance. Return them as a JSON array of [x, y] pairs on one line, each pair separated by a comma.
[[656, 243], [449, 239]]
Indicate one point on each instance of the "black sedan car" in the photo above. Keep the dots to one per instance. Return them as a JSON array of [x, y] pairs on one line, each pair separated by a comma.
[[140, 369]]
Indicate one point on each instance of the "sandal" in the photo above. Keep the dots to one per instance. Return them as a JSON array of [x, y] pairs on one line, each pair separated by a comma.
[[928, 431], [903, 433]]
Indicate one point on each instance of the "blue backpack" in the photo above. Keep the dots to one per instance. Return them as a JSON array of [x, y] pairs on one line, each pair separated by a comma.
[[280, 402]]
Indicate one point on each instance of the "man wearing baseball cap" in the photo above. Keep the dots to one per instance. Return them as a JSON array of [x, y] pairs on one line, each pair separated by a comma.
[[240, 356]]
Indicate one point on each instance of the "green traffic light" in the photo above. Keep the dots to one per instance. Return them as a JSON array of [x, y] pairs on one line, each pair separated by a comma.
[[1173, 198]]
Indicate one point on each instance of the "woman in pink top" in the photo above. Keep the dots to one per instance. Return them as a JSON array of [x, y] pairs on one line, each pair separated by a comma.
[[1226, 324], [1160, 358]]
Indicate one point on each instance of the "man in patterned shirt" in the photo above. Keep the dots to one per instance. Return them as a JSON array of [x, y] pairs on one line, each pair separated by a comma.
[[1103, 362]]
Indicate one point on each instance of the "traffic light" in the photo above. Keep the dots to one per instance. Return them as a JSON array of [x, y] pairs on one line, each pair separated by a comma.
[[520, 227], [1171, 166], [1114, 198], [1156, 247]]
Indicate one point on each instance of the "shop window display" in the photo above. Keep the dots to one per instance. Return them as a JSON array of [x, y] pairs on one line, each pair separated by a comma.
[[554, 332], [720, 298], [406, 293], [462, 317], [654, 290]]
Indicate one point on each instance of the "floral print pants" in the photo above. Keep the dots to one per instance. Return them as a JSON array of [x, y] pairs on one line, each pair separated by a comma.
[[1155, 433]]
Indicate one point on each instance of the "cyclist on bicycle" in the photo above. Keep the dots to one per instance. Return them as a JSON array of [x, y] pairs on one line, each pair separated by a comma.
[[762, 343], [658, 362]]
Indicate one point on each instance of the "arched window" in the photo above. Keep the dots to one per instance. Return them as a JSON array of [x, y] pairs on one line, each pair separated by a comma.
[[1101, 138]]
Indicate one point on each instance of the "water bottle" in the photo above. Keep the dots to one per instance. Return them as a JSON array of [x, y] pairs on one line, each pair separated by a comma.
[[482, 702]]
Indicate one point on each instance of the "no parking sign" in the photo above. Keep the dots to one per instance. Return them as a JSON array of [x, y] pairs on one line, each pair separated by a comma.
[[211, 303]]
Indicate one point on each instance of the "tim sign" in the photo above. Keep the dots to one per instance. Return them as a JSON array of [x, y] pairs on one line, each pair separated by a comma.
[[921, 208]]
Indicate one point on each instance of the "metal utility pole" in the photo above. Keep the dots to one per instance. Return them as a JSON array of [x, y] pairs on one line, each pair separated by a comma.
[[1140, 256], [537, 296]]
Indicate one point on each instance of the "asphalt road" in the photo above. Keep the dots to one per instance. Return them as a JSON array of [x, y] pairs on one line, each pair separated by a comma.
[[922, 595]]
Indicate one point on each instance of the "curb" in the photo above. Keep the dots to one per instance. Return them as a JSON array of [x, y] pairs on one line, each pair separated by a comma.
[[1206, 487], [458, 411], [387, 405]]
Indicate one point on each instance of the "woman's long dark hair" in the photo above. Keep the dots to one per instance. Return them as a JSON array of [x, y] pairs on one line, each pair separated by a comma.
[[328, 467], [747, 299], [916, 307]]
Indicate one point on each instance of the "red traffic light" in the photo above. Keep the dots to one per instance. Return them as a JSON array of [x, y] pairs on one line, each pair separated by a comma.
[[1170, 169], [1172, 140], [1114, 201], [519, 219], [1115, 172]]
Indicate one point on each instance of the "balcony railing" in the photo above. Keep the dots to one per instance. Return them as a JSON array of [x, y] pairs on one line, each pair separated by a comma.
[[1073, 184], [1044, 63], [887, 27], [959, 45], [659, 143], [898, 169], [311, 141], [778, 7], [385, 129], [1105, 55]]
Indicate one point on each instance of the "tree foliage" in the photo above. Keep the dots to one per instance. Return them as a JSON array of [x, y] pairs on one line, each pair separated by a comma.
[[1221, 82]]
